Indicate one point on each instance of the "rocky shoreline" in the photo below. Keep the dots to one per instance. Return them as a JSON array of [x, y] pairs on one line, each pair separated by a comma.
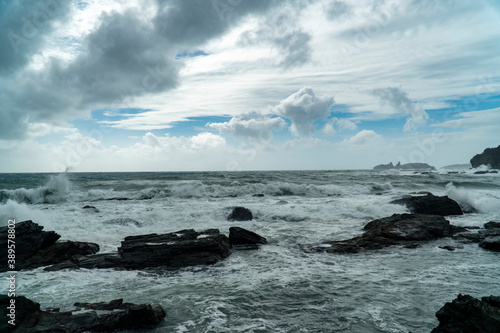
[[183, 248]]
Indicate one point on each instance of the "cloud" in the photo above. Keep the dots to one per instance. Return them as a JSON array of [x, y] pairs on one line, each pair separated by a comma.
[[25, 27], [303, 108], [336, 10], [398, 99], [128, 53], [473, 119], [281, 31], [252, 126], [365, 138], [340, 124], [192, 23]]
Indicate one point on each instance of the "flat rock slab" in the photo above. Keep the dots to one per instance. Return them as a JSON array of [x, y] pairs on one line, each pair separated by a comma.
[[430, 205], [399, 229], [172, 250], [177, 249], [92, 317], [468, 314]]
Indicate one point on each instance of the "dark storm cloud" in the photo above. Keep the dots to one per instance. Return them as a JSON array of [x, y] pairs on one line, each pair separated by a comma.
[[196, 21], [123, 58], [23, 29]]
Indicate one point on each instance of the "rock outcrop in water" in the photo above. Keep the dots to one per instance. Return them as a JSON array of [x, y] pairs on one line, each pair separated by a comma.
[[240, 236], [488, 238], [172, 250], [430, 204], [35, 247], [468, 314], [399, 229], [490, 156], [407, 166], [240, 214], [93, 317]]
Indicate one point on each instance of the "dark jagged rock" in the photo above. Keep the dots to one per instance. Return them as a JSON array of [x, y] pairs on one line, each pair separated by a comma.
[[448, 247], [468, 314], [491, 243], [490, 156], [112, 316], [399, 229], [430, 205], [238, 236], [59, 252], [258, 195], [177, 249], [240, 214], [30, 238], [36, 248], [492, 225], [488, 238], [407, 166], [173, 250]]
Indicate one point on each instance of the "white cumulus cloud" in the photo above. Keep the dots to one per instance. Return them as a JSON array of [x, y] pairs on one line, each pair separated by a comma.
[[364, 138], [303, 108], [252, 126]]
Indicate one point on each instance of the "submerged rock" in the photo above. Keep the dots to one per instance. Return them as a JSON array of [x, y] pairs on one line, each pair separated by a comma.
[[36, 247], [240, 214], [468, 314], [239, 236], [430, 205], [92, 208], [123, 221], [112, 316], [399, 229]]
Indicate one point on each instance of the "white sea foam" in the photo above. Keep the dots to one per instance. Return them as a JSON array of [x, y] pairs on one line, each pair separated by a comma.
[[483, 201], [57, 189], [277, 288]]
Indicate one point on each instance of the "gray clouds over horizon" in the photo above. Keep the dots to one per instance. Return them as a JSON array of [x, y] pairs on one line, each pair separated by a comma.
[[126, 56]]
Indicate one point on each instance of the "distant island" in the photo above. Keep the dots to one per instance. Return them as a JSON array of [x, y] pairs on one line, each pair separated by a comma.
[[407, 166], [490, 156], [457, 167]]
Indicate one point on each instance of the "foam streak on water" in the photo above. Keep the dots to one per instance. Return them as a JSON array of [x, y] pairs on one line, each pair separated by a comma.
[[277, 288]]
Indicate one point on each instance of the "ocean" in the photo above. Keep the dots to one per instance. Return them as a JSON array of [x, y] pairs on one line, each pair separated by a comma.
[[277, 287]]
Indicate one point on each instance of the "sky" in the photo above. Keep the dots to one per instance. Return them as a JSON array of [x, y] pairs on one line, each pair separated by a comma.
[[201, 85]]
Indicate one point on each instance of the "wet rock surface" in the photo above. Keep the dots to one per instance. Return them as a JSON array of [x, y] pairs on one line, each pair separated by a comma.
[[35, 247], [86, 317], [172, 250], [240, 214], [468, 314], [240, 236], [430, 204], [487, 237], [408, 230]]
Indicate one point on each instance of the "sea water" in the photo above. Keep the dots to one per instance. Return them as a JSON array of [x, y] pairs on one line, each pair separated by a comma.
[[277, 287]]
